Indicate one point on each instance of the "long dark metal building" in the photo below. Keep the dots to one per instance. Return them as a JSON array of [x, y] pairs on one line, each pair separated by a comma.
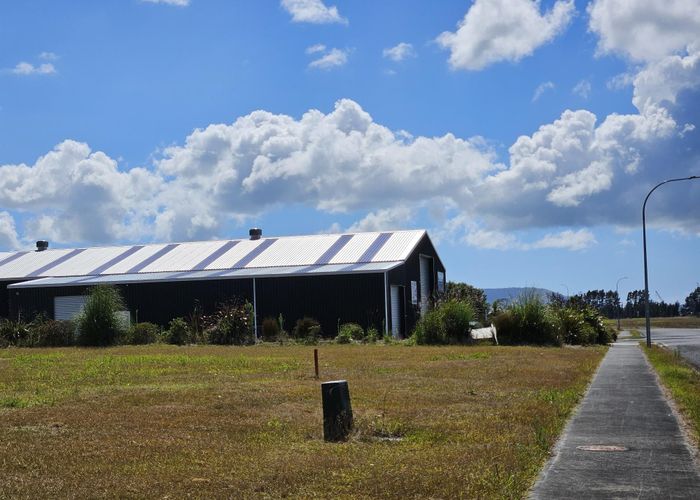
[[379, 279]]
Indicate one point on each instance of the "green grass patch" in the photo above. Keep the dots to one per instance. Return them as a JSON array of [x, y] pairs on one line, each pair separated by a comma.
[[635, 334], [461, 356], [682, 380], [214, 421]]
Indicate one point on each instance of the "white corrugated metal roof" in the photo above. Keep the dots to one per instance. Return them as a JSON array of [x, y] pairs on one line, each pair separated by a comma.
[[259, 272], [283, 252], [27, 264]]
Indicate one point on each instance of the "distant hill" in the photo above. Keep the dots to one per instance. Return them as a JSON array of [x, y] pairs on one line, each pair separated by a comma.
[[510, 294]]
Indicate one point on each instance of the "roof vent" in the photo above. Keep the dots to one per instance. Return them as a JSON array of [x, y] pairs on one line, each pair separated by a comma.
[[255, 233], [42, 245]]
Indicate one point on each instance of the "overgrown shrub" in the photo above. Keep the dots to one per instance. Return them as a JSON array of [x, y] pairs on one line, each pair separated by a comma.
[[372, 335], [528, 321], [197, 332], [463, 292], [351, 331], [142, 333], [429, 329], [448, 323], [580, 324], [231, 324], [344, 337], [456, 317], [270, 329], [40, 332], [602, 334], [307, 330], [51, 333], [572, 329], [98, 324], [13, 333], [178, 332]]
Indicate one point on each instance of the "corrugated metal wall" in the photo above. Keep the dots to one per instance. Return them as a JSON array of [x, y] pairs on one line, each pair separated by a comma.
[[5, 299], [352, 298], [359, 298], [155, 302]]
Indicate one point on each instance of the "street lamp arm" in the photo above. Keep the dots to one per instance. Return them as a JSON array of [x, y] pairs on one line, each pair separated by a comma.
[[644, 242], [644, 206]]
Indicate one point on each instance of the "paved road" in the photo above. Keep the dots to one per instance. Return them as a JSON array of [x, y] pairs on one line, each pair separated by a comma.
[[685, 340], [625, 408]]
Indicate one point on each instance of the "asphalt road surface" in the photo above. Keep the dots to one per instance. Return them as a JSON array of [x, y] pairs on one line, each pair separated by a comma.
[[685, 340]]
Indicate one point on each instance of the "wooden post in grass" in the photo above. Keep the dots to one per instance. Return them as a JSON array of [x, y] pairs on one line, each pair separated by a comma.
[[316, 362], [337, 411]]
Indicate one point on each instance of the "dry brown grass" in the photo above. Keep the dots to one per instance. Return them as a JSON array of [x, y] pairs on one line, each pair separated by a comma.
[[163, 421]]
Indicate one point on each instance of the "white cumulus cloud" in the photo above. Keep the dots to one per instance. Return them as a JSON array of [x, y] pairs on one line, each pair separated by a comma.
[[9, 239], [569, 240], [503, 30], [315, 49], [644, 30], [663, 80], [333, 58], [312, 11], [25, 68], [74, 194], [399, 52], [385, 219], [541, 89], [580, 171], [582, 89]]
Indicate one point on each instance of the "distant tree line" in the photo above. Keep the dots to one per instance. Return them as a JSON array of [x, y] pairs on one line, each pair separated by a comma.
[[608, 304]]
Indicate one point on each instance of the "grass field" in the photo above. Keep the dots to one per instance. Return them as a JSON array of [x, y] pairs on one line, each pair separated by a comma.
[[682, 380], [639, 323], [439, 422]]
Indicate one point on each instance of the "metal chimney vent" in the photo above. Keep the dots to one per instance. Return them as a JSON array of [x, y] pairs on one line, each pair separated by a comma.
[[42, 245], [255, 233]]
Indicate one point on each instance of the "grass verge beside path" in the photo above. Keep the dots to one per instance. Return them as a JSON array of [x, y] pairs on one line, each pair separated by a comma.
[[210, 421], [682, 380]]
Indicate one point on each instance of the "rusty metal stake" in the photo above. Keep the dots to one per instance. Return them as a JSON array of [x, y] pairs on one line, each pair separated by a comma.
[[316, 362]]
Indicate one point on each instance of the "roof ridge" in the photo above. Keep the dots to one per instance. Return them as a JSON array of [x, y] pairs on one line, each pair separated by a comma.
[[164, 243]]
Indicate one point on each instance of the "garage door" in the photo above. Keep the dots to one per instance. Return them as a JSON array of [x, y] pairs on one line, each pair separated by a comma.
[[68, 307]]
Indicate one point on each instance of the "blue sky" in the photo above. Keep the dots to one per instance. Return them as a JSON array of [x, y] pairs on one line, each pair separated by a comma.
[[522, 135]]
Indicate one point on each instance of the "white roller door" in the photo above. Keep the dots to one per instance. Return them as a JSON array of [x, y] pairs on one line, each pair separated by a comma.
[[395, 312], [424, 284], [68, 307]]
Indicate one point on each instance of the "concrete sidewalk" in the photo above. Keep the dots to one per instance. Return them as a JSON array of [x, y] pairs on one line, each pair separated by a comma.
[[624, 408]]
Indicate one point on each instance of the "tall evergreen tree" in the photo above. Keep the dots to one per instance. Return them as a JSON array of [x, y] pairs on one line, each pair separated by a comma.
[[692, 303]]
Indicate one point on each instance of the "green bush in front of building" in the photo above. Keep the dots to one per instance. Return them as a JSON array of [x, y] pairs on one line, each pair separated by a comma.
[[178, 332], [231, 324], [98, 324], [307, 330], [446, 323], [141, 333]]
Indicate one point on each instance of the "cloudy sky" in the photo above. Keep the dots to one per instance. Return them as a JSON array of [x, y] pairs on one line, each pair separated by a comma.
[[523, 135]]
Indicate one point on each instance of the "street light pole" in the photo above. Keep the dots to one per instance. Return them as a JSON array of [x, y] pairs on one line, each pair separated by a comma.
[[619, 307], [644, 241], [567, 290]]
